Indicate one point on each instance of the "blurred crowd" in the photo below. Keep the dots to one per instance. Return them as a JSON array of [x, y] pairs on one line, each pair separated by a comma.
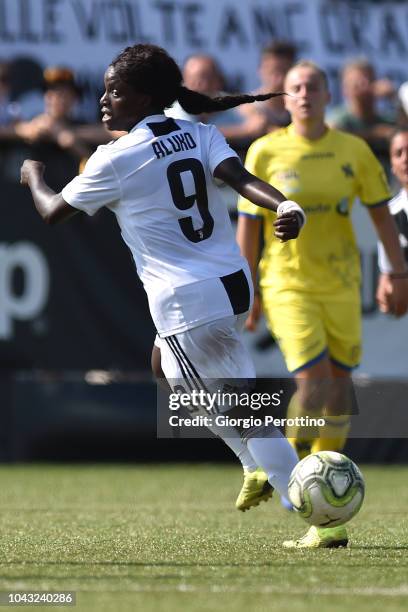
[[50, 129]]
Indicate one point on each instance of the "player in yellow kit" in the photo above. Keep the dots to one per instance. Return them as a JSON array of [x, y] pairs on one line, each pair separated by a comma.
[[310, 288], [325, 175]]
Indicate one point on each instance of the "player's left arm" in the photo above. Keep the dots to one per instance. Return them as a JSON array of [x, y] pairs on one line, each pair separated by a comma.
[[50, 205], [392, 293], [290, 217]]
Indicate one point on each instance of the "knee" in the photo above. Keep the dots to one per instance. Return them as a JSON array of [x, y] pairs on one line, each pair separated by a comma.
[[313, 395]]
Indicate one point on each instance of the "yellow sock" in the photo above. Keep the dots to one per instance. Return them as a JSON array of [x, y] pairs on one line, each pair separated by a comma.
[[333, 435], [301, 438]]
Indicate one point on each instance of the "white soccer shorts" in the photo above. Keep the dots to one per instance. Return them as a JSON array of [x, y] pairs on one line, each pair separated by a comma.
[[210, 355]]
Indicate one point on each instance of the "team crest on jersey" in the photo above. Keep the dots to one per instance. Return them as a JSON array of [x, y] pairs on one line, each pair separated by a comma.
[[343, 207], [348, 170]]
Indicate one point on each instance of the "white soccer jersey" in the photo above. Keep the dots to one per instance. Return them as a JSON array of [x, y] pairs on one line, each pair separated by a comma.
[[399, 209], [158, 180]]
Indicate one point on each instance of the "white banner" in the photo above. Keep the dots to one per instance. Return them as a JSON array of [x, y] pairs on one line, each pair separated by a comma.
[[87, 34]]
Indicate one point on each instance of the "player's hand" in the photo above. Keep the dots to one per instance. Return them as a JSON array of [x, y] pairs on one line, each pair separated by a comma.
[[399, 296], [29, 169], [255, 314], [290, 220], [383, 294], [287, 226], [392, 295]]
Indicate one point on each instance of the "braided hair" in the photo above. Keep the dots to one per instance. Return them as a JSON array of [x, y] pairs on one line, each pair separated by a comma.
[[149, 69]]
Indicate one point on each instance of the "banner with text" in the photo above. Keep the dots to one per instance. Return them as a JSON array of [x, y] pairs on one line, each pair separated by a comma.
[[87, 34]]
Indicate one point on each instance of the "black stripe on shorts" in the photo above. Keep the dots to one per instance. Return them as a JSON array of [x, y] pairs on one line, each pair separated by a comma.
[[184, 373], [186, 364]]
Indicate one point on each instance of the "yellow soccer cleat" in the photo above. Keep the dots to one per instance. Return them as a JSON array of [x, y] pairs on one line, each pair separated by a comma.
[[255, 489], [319, 537]]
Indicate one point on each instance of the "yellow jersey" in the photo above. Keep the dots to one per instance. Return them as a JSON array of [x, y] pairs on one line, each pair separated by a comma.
[[324, 176]]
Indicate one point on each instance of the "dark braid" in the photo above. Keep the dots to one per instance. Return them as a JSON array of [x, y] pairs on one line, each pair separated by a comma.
[[150, 69], [196, 103]]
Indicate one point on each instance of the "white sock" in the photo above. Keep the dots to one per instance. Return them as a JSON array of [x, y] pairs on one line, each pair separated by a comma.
[[230, 436], [277, 457], [242, 452]]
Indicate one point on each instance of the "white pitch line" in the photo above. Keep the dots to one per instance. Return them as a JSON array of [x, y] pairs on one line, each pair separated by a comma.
[[400, 591]]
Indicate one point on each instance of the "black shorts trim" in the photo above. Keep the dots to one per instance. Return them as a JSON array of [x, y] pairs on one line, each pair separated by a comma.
[[237, 288], [182, 367], [190, 374]]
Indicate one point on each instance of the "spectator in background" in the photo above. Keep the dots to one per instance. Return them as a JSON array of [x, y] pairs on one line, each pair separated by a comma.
[[403, 105], [399, 209], [9, 115], [250, 121], [359, 114], [27, 86], [263, 117], [49, 134], [9, 110], [202, 73]]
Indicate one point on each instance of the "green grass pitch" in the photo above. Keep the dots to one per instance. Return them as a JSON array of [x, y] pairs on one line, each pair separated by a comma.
[[168, 538]]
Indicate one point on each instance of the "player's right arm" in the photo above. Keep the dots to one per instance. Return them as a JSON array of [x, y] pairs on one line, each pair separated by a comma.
[[50, 205], [289, 221], [258, 195], [226, 166], [290, 216], [97, 186]]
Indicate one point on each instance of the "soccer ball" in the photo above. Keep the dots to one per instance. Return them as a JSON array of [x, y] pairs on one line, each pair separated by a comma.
[[326, 488]]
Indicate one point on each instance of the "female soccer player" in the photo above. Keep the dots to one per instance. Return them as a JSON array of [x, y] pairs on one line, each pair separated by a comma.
[[311, 287], [160, 180], [399, 210]]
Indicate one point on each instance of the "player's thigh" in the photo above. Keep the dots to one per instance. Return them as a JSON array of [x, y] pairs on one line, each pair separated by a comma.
[[296, 322], [156, 366], [210, 352], [343, 327], [156, 360]]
